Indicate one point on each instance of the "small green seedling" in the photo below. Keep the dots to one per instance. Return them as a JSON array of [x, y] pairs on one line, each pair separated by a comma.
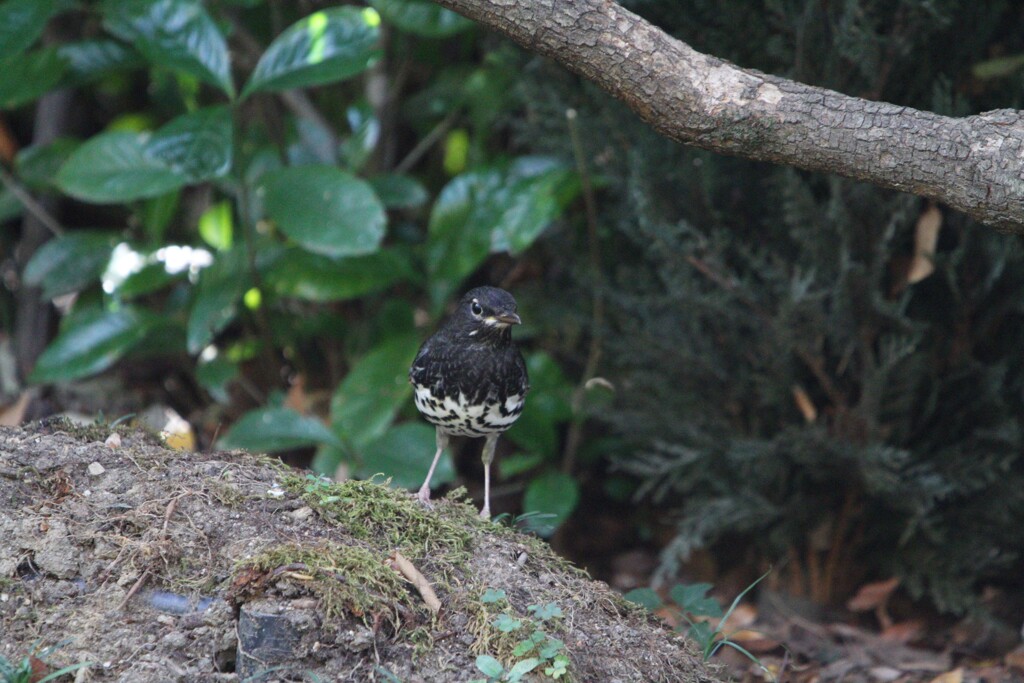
[[692, 603], [534, 650]]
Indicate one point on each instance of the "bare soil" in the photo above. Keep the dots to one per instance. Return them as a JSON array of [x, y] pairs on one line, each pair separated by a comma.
[[160, 565]]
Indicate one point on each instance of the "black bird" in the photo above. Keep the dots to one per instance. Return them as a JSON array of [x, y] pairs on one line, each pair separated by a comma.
[[470, 379]]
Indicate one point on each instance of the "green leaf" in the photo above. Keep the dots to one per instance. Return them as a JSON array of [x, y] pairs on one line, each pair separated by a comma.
[[216, 226], [645, 597], [218, 294], [22, 22], [517, 463], [215, 375], [693, 598], [90, 342], [506, 623], [116, 167], [365, 403], [492, 595], [489, 666], [276, 429], [177, 34], [90, 60], [549, 610], [459, 232], [522, 668], [70, 263], [357, 148], [421, 17], [37, 166], [302, 274], [148, 279], [404, 453], [25, 77], [197, 145], [499, 208], [999, 67], [325, 47], [121, 166], [547, 406], [156, 215], [10, 207], [456, 151], [399, 191], [535, 195], [553, 493], [326, 210]]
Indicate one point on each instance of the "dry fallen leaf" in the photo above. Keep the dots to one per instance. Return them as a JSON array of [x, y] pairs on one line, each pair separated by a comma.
[[754, 641], [954, 676], [407, 569], [872, 595], [744, 615], [297, 398], [14, 414], [904, 631], [1015, 658], [804, 404], [926, 237]]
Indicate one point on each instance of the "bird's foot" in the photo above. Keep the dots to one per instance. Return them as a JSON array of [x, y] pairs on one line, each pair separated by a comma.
[[485, 513], [424, 497]]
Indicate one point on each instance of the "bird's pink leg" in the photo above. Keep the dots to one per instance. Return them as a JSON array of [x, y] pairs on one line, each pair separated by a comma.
[[488, 458], [442, 443]]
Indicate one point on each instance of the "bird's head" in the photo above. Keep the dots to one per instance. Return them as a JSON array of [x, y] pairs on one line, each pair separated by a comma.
[[487, 312]]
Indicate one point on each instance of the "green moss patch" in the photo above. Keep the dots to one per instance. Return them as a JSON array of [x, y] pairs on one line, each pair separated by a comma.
[[348, 580], [390, 519]]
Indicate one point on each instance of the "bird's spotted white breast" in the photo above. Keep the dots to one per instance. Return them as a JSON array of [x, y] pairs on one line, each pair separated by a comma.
[[456, 415]]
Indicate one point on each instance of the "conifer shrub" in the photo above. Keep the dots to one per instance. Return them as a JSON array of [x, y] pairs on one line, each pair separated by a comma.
[[786, 392]]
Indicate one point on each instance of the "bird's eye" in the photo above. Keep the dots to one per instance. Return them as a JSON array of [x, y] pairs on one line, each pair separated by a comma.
[[477, 310]]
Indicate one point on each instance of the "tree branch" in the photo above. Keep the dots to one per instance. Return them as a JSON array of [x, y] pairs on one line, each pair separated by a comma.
[[973, 164]]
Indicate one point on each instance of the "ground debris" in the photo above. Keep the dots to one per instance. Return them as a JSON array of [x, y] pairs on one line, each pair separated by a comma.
[[175, 566]]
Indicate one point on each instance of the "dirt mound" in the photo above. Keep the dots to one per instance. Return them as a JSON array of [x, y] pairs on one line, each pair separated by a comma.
[[158, 565]]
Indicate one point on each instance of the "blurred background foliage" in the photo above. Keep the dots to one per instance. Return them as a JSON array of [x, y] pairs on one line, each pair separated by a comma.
[[254, 211]]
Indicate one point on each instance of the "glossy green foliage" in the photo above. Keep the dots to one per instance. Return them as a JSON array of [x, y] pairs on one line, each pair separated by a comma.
[[422, 17], [90, 341], [174, 34], [254, 208], [121, 166], [325, 210], [327, 46], [70, 263], [277, 429]]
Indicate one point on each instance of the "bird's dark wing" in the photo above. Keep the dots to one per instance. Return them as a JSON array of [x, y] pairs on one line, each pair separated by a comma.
[[517, 379], [418, 372], [431, 367]]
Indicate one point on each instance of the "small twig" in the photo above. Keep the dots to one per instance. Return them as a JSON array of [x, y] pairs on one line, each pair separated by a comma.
[[446, 635], [575, 434], [168, 512], [241, 650], [134, 589], [406, 568], [427, 142], [300, 105], [30, 202]]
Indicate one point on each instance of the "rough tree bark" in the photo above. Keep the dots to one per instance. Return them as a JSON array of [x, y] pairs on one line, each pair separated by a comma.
[[973, 164]]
